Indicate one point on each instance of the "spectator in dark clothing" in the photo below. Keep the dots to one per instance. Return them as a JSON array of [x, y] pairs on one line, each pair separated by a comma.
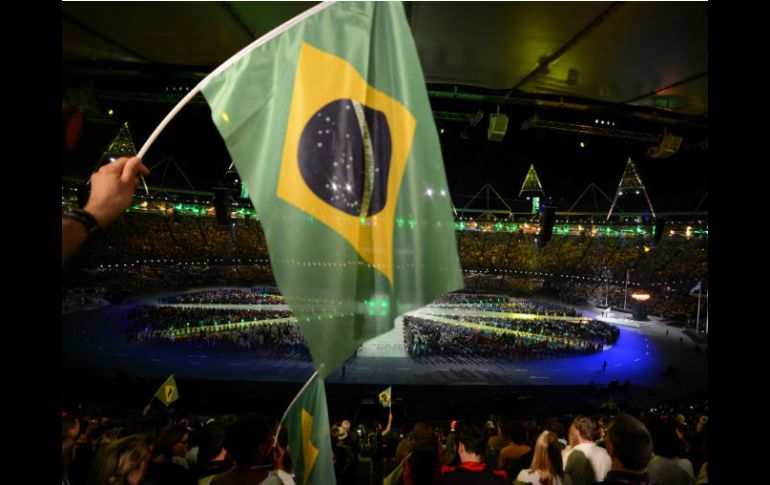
[[249, 441], [172, 442], [212, 456], [630, 447], [472, 470], [376, 445]]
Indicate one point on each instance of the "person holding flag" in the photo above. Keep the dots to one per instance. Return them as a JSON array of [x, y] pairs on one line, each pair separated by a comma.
[[167, 393], [112, 192], [378, 435]]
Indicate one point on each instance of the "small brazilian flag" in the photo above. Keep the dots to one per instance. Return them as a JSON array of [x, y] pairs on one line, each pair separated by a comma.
[[331, 130], [385, 397], [307, 423], [168, 392]]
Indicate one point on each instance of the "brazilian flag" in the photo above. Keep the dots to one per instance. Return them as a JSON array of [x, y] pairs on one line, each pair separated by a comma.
[[168, 391], [385, 397], [331, 131], [307, 423]]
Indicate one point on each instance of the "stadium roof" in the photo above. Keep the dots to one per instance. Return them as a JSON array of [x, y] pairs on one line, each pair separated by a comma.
[[641, 65]]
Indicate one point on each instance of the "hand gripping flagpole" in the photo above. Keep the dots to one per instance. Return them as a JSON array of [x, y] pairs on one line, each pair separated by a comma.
[[262, 40], [286, 413]]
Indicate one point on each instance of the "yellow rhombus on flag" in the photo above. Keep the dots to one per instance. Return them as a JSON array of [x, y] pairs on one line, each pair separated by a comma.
[[168, 392]]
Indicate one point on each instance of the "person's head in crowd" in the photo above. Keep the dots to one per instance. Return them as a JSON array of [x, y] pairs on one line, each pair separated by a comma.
[[572, 436], [144, 425], [425, 461], [664, 438], [109, 436], [555, 426], [173, 440], [601, 428], [421, 432], [70, 427], [211, 442], [334, 431], [470, 439], [585, 429], [547, 458], [504, 426], [532, 431], [249, 440], [518, 432], [629, 444], [122, 462]]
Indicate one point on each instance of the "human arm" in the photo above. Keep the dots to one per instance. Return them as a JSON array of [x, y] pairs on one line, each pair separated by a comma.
[[390, 420], [112, 191]]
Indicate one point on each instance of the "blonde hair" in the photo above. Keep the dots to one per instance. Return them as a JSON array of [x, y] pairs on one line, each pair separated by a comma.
[[547, 458], [115, 461]]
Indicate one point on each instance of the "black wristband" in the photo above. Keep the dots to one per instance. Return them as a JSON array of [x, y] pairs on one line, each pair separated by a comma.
[[83, 217]]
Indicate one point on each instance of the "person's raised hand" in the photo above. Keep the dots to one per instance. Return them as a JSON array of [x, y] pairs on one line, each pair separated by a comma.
[[112, 188]]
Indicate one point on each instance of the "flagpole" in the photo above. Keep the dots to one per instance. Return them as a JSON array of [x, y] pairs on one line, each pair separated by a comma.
[[625, 298], [262, 40], [285, 413], [149, 405], [697, 317]]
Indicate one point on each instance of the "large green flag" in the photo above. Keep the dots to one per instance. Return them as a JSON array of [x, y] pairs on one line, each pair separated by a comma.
[[310, 446], [168, 391], [330, 128]]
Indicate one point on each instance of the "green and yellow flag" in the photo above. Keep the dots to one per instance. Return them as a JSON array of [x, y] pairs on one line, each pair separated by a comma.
[[168, 392], [385, 397], [307, 423], [330, 128]]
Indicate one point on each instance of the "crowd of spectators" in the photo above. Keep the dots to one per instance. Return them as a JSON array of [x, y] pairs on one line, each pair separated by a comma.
[[194, 250], [664, 445], [139, 236], [476, 302], [229, 296]]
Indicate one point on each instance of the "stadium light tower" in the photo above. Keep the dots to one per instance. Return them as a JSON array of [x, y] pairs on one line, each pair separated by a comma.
[[628, 182]]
